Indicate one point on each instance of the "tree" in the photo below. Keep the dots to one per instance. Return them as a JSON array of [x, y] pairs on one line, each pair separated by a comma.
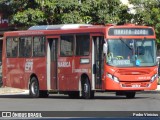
[[104, 11], [148, 13], [20, 12], [32, 12]]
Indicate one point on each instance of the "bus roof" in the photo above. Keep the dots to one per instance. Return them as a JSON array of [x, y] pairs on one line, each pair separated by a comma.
[[71, 28], [59, 27], [66, 28]]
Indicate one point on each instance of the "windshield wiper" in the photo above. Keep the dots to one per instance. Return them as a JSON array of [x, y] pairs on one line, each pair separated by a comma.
[[125, 44]]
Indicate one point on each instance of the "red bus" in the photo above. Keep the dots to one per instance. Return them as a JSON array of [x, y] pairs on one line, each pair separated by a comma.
[[80, 59]]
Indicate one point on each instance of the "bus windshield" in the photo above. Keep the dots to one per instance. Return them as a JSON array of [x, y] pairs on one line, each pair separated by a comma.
[[131, 52]]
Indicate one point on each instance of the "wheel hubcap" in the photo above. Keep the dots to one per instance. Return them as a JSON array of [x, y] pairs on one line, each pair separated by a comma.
[[85, 88], [34, 88]]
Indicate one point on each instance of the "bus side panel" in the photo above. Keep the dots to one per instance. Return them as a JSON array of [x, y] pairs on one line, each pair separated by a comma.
[[68, 81], [18, 73], [12, 72], [15, 72], [80, 68], [70, 71], [39, 67]]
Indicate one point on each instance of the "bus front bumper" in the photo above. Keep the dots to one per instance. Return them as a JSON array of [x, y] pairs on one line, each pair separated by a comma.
[[129, 85]]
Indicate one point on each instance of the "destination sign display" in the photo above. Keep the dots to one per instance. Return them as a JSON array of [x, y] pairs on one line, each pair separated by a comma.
[[130, 31]]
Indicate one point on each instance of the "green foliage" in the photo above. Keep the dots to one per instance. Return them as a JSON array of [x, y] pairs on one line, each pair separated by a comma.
[[103, 11], [148, 13], [32, 12], [24, 17], [25, 13]]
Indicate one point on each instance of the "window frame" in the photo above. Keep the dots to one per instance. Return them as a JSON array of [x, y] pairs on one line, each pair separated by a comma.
[[76, 44], [73, 45], [12, 38], [44, 37], [31, 52]]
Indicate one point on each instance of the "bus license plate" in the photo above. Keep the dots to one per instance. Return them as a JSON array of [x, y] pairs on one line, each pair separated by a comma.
[[136, 86]]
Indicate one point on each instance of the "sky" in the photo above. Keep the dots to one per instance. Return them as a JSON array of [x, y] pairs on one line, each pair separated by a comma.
[[129, 5]]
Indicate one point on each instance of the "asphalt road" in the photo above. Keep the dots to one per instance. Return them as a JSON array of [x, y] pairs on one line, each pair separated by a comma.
[[60, 106], [144, 101]]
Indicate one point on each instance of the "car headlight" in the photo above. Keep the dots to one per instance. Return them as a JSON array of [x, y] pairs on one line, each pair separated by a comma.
[[153, 78], [112, 77]]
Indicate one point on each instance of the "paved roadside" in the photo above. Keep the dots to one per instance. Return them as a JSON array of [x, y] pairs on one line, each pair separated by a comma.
[[12, 91], [158, 88], [16, 91]]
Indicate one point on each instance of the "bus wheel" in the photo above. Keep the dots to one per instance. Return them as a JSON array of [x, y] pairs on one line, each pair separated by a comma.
[[130, 94], [1, 83], [34, 88], [86, 90]]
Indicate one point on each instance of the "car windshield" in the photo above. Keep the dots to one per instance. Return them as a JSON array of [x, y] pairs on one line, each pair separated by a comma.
[[131, 52]]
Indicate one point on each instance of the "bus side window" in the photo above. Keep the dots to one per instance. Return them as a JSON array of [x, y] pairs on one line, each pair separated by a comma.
[[9, 46], [28, 50], [82, 45], [14, 47], [38, 46], [67, 45], [25, 47]]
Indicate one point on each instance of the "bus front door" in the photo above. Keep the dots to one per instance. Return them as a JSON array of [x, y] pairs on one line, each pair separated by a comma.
[[97, 61], [52, 63]]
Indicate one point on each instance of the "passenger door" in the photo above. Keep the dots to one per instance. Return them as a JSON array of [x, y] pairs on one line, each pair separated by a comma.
[[97, 60], [52, 63]]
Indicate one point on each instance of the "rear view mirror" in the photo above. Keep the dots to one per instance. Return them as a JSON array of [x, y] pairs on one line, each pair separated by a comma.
[[105, 48]]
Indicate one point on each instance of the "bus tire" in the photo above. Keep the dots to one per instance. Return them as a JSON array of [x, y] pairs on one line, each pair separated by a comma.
[[34, 88], [130, 95], [1, 83], [86, 89]]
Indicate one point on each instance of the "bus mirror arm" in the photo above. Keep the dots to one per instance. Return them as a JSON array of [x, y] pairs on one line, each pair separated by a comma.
[[94, 68]]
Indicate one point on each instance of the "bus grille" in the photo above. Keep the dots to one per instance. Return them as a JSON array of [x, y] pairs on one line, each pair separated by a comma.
[[133, 72]]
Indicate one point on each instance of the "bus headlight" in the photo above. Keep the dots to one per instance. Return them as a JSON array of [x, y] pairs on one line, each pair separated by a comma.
[[153, 78], [113, 78], [110, 76]]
